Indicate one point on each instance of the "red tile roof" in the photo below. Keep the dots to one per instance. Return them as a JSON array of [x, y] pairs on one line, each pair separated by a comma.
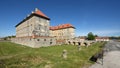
[[63, 26], [38, 12], [102, 38]]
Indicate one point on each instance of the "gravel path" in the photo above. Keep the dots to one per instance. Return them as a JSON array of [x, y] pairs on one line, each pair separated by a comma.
[[111, 57]]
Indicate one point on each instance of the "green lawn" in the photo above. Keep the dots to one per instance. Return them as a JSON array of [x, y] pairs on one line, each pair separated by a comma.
[[19, 56]]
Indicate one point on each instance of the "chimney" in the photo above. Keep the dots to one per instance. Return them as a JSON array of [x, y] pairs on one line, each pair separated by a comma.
[[36, 9], [32, 12]]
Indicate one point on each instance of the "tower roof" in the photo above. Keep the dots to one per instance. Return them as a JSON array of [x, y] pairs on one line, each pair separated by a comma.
[[38, 13]]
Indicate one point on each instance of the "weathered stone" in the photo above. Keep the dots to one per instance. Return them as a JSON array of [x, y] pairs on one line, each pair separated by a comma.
[[35, 42], [79, 47], [64, 54]]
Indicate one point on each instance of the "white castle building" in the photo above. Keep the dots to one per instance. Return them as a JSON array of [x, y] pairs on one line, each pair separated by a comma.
[[35, 31]]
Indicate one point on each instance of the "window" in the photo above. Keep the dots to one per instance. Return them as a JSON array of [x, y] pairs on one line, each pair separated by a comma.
[[39, 34], [38, 39], [39, 26], [45, 28], [44, 39], [50, 43], [50, 39]]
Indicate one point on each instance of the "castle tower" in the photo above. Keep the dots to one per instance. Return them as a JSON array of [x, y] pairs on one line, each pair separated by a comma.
[[37, 23]]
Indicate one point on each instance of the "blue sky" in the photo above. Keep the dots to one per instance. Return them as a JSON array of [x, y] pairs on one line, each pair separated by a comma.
[[102, 17]]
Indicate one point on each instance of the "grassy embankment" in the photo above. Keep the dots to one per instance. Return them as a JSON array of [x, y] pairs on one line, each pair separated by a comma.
[[18, 56]]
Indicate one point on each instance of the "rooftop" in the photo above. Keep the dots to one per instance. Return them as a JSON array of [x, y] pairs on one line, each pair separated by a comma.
[[37, 12], [63, 26], [102, 38]]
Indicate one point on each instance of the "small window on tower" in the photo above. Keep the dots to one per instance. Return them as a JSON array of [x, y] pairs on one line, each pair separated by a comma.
[[50, 43], [50, 39], [38, 39], [44, 39], [39, 34]]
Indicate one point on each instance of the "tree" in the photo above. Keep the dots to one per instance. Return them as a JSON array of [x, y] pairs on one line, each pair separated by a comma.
[[90, 36], [96, 35]]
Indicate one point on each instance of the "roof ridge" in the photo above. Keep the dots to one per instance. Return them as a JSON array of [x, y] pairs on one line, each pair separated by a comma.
[[39, 12], [62, 26]]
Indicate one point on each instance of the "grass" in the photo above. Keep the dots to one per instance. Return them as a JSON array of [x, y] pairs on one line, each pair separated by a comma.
[[19, 56]]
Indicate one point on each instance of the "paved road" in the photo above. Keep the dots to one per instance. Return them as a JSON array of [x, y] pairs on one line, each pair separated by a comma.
[[111, 57], [113, 46]]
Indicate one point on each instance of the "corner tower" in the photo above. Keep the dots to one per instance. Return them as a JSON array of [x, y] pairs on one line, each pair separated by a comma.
[[35, 24]]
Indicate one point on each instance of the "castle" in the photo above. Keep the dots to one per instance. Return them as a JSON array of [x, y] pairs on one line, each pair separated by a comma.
[[35, 31]]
